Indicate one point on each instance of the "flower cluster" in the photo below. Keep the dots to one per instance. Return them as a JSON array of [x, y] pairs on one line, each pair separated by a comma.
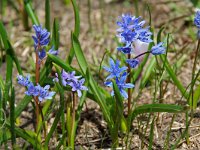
[[136, 38], [73, 81], [120, 77], [41, 92], [41, 39], [197, 22]]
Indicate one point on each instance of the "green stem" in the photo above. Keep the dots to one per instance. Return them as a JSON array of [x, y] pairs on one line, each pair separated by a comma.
[[129, 90], [193, 74]]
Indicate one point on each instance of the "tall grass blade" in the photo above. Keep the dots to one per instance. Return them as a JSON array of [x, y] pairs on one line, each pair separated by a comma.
[[12, 118], [55, 35], [151, 108], [101, 100], [76, 29], [47, 15], [30, 12]]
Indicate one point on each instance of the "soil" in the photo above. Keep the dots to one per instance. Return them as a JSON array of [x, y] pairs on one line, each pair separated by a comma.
[[92, 132]]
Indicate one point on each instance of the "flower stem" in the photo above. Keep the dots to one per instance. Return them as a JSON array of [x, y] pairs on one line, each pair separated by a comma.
[[74, 108], [38, 108], [37, 81], [129, 90], [142, 54]]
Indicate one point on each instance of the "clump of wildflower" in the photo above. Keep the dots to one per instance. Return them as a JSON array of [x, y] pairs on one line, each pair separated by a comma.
[[120, 77], [73, 81], [41, 92]]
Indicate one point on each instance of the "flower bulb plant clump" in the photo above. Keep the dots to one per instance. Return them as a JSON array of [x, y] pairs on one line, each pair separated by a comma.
[[41, 40], [135, 38]]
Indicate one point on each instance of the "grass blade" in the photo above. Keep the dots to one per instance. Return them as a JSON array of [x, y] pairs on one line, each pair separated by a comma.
[[31, 14], [55, 35], [76, 29], [150, 108], [96, 90], [12, 118], [47, 15]]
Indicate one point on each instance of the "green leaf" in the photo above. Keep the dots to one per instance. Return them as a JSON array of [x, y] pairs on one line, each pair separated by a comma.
[[12, 117], [57, 118], [120, 108], [174, 77], [196, 96], [47, 15], [96, 90], [31, 14], [148, 72], [151, 135], [28, 136], [151, 108], [56, 35], [76, 29], [22, 105]]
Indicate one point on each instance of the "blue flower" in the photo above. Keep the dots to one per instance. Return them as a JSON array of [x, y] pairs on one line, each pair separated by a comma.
[[158, 49], [128, 36], [42, 54], [122, 85], [145, 36], [197, 19], [32, 90], [53, 51], [42, 36], [132, 62], [44, 93], [132, 28], [78, 86], [127, 49], [23, 81], [125, 23], [69, 77], [114, 69]]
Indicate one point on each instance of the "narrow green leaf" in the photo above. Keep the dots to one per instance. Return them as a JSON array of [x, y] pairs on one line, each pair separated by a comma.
[[96, 90], [174, 77], [31, 13], [57, 118], [56, 35], [28, 136], [47, 15], [159, 34], [12, 118], [148, 72], [76, 29], [150, 108], [22, 105], [120, 108], [3, 35], [151, 135]]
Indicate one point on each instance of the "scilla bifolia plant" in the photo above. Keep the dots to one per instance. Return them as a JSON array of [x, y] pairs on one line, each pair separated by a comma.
[[39, 93], [135, 38]]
